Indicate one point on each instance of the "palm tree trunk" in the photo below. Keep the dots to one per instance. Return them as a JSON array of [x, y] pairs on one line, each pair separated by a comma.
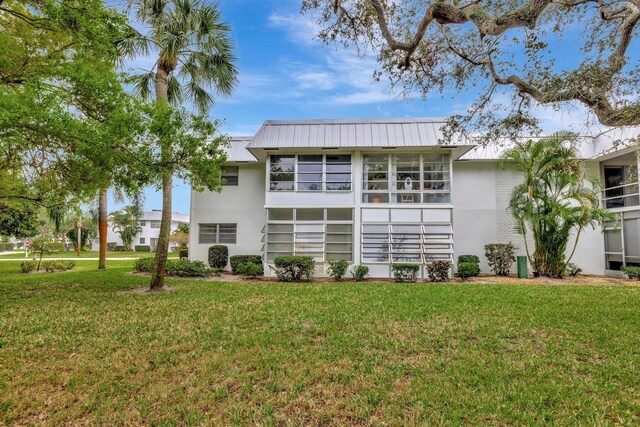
[[102, 228], [79, 236], [162, 248]]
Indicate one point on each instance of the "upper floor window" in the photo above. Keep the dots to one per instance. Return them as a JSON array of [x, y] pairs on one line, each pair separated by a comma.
[[406, 178], [229, 175], [155, 224], [142, 223], [310, 172]]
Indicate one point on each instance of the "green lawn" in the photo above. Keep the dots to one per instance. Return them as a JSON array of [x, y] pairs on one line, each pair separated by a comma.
[[76, 348], [87, 254]]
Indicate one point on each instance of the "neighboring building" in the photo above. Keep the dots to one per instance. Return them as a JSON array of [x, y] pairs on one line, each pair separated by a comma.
[[375, 192], [150, 224]]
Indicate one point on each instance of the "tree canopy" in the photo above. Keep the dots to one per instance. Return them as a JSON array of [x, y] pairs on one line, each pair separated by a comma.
[[514, 52]]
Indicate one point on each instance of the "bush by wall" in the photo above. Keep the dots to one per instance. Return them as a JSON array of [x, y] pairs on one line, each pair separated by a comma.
[[294, 268], [250, 269], [632, 272], [119, 248], [438, 270], [359, 272], [218, 256], [178, 268], [500, 256], [142, 248], [51, 266], [28, 266], [468, 258], [111, 246], [236, 260], [405, 272], [338, 268], [468, 269], [183, 253]]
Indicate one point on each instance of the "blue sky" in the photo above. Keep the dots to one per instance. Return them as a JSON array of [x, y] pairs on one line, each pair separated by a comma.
[[284, 73]]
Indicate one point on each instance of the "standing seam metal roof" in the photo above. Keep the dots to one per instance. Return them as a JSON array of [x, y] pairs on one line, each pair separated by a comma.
[[348, 133]]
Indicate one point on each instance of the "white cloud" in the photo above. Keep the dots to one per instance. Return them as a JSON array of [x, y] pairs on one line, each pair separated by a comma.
[[300, 29]]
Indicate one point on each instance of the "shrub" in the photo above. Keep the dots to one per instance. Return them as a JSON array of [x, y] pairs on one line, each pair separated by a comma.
[[405, 272], [111, 246], [6, 247], [185, 268], [28, 266], [359, 272], [468, 258], [438, 270], [183, 253], [142, 248], [119, 248], [218, 256], [500, 256], [468, 269], [144, 265], [294, 268], [250, 269], [632, 272], [51, 266], [236, 260], [338, 268], [572, 269]]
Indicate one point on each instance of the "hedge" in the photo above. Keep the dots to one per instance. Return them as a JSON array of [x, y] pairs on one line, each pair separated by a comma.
[[468, 258], [405, 272], [294, 268], [178, 268], [6, 247], [236, 260], [468, 269], [218, 256], [57, 265], [142, 248]]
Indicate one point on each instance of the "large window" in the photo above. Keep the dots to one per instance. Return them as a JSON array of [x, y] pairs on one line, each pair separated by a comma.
[[406, 178], [324, 234], [217, 233], [229, 175], [155, 224], [383, 243], [310, 172]]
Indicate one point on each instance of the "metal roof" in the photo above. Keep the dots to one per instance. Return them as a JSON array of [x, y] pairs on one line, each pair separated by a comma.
[[237, 150], [348, 133]]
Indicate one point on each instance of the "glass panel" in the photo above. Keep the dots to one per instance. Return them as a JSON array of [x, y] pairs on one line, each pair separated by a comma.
[[370, 228], [338, 186], [375, 238], [279, 237], [310, 228], [339, 228], [227, 238], [283, 163], [338, 158], [613, 241], [339, 237], [309, 214], [309, 237], [407, 257], [366, 257], [339, 247], [281, 214], [437, 198], [280, 228], [309, 186], [438, 229], [279, 247], [338, 168], [229, 175], [406, 247], [309, 168], [377, 248], [310, 177], [281, 186], [339, 256], [375, 197], [408, 228], [310, 158], [339, 215], [272, 255], [339, 177], [405, 198]]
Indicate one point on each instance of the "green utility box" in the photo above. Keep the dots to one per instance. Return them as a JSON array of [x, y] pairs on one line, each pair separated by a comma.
[[522, 267]]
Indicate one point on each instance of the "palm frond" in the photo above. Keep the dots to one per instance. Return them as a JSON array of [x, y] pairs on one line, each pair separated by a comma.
[[174, 90], [143, 84]]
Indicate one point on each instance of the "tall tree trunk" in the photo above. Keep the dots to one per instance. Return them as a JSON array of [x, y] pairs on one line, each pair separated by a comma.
[[79, 236], [162, 248], [102, 228]]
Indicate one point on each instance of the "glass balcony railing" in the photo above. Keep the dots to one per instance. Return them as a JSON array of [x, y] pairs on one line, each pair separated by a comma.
[[621, 196]]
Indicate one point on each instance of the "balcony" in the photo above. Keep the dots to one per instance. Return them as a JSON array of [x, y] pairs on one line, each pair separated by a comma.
[[621, 196]]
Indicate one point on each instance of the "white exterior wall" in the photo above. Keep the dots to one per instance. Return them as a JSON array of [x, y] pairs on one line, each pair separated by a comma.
[[481, 193], [242, 205]]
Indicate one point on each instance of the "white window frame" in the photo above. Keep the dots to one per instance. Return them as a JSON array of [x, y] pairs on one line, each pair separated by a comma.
[[216, 234], [297, 174]]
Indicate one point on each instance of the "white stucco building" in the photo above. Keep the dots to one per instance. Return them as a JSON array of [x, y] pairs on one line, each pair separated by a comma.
[[150, 224], [375, 192]]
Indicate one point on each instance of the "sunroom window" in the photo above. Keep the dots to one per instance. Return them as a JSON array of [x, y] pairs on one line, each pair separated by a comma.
[[310, 172], [406, 178], [417, 243]]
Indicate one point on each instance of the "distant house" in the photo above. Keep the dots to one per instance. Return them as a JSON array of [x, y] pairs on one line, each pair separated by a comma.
[[375, 192], [150, 224]]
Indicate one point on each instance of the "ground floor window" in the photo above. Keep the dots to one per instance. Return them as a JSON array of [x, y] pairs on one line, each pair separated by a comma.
[[323, 233], [217, 233], [417, 243], [142, 240]]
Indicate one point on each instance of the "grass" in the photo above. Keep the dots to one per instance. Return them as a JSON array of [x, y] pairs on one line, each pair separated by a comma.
[[76, 348], [86, 254]]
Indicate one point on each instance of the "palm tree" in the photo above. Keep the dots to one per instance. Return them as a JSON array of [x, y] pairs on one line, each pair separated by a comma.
[[555, 200], [193, 50], [125, 223]]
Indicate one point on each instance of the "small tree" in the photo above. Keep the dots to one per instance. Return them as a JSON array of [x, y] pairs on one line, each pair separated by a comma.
[[44, 245], [125, 223], [554, 201]]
